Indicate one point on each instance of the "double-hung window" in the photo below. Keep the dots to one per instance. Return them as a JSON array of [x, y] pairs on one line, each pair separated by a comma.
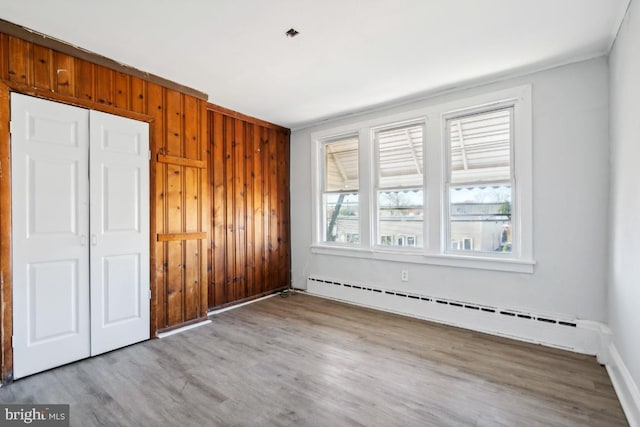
[[400, 185], [480, 181], [340, 198]]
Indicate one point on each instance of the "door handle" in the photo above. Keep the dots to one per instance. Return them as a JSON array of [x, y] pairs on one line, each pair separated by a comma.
[[83, 240], [94, 240]]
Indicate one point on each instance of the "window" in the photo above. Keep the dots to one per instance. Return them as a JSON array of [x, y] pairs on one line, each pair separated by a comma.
[[386, 240], [446, 184], [400, 194], [340, 196], [480, 181]]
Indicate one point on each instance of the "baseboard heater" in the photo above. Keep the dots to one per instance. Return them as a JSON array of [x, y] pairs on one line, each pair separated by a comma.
[[551, 330]]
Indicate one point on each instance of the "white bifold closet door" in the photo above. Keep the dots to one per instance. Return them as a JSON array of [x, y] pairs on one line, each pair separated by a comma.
[[80, 224]]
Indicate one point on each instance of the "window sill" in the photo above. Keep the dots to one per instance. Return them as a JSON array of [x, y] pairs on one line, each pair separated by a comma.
[[447, 260]]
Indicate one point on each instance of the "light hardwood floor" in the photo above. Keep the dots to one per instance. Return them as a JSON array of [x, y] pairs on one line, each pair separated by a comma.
[[306, 361]]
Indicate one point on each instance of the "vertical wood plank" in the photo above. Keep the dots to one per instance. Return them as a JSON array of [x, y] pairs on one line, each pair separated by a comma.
[[191, 201], [239, 210], [191, 220], [191, 280], [138, 99], [175, 224], [230, 268], [211, 250], [84, 80], [103, 85], [218, 164], [258, 212], [43, 63], [19, 60], [65, 80], [204, 206], [274, 245], [175, 208], [283, 210], [191, 129], [159, 264], [175, 282], [266, 208], [121, 96], [248, 198], [173, 120]]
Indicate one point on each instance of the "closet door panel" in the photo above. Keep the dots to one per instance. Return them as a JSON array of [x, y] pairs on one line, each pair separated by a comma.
[[50, 191], [119, 168]]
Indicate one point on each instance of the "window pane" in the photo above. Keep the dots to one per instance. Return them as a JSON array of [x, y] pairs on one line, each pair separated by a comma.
[[480, 147], [341, 165], [400, 156], [480, 219], [400, 218], [342, 218]]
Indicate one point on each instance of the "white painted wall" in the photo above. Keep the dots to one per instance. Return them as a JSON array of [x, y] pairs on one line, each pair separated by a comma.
[[624, 280], [571, 185]]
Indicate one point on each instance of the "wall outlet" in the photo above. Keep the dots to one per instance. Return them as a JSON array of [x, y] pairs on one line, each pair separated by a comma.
[[404, 275]]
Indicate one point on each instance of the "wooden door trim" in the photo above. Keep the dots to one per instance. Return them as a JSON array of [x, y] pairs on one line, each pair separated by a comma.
[[6, 279], [70, 100]]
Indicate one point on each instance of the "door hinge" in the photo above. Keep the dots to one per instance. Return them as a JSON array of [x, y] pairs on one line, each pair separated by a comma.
[[2, 274], [10, 127], [149, 294], [149, 151]]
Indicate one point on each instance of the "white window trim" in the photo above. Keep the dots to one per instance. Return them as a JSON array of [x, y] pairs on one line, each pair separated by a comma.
[[434, 250]]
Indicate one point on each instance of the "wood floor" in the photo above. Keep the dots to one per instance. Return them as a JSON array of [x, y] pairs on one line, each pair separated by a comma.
[[306, 361]]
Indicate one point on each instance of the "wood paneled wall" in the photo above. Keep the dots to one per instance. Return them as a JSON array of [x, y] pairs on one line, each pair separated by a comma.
[[180, 206], [250, 235]]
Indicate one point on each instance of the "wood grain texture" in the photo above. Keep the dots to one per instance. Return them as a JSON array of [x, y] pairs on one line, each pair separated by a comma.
[[103, 79], [36, 38], [64, 74], [173, 160], [6, 290], [181, 236], [306, 361], [122, 91], [249, 282], [19, 54], [249, 181], [217, 164], [43, 67], [178, 186]]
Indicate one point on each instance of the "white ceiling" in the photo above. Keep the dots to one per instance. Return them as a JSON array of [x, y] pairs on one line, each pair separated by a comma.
[[350, 54]]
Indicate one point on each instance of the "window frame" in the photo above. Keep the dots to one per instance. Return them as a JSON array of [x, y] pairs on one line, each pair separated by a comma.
[[377, 187], [434, 249]]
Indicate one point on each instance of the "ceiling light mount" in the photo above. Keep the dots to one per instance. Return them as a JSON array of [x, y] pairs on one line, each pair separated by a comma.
[[292, 32]]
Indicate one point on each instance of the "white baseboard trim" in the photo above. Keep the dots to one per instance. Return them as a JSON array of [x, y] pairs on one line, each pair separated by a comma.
[[550, 330], [626, 388]]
